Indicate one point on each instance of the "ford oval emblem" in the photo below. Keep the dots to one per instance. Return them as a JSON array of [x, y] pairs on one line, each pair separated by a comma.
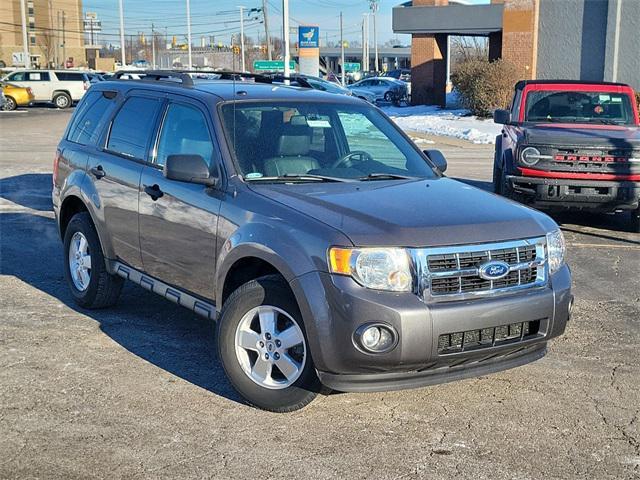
[[493, 270]]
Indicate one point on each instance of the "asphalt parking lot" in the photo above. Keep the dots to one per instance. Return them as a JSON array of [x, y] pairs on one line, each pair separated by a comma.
[[136, 391]]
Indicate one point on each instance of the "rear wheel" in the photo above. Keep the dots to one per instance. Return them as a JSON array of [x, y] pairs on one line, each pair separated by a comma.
[[635, 220], [263, 348], [62, 100], [92, 286], [10, 104], [388, 97]]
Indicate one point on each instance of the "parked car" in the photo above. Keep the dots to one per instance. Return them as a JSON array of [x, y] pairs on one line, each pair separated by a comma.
[[570, 145], [327, 247], [318, 83], [382, 89], [15, 96], [403, 74], [61, 87]]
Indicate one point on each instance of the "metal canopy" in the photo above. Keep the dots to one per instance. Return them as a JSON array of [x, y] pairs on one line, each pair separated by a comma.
[[449, 19]]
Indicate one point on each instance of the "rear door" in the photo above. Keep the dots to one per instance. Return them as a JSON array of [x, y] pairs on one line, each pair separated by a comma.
[[178, 220], [116, 168], [38, 81]]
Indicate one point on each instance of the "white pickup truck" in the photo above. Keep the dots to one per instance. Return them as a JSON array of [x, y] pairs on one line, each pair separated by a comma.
[[62, 87]]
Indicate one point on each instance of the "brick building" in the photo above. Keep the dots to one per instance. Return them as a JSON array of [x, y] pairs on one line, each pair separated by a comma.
[[592, 40], [54, 31]]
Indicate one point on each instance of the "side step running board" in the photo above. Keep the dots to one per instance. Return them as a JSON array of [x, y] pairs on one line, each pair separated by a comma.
[[183, 299]]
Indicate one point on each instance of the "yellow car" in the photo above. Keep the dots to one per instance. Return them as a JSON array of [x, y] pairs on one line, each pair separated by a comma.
[[16, 96]]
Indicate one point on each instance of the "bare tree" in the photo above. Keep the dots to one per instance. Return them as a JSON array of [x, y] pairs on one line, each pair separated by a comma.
[[47, 44], [468, 48]]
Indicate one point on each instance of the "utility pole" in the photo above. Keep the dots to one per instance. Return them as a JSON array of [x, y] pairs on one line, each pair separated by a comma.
[[123, 46], [58, 38], [265, 16], [341, 50], [285, 38], [365, 43], [189, 34], [64, 39], [25, 40], [244, 67], [153, 46], [373, 4]]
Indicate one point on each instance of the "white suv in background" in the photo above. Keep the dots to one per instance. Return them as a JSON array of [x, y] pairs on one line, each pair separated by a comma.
[[62, 87]]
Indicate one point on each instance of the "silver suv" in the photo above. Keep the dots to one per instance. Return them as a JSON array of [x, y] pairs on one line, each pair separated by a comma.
[[327, 247]]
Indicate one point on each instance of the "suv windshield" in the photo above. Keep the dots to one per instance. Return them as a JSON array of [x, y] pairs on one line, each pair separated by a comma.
[[278, 140], [579, 107]]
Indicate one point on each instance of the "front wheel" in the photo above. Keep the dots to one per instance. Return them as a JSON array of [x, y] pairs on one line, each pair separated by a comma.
[[263, 348], [10, 104], [388, 97]]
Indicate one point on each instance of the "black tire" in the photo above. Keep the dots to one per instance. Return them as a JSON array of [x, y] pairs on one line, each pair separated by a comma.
[[497, 171], [103, 289], [269, 290], [635, 220], [388, 97], [62, 100], [10, 104]]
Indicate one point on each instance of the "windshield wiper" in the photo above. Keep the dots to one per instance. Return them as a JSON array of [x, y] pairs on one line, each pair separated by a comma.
[[306, 177], [385, 176]]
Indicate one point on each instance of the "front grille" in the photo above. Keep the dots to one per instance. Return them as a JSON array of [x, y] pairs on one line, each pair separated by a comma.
[[455, 271], [487, 337]]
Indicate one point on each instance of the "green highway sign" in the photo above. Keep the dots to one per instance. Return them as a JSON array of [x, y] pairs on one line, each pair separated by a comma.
[[272, 65], [351, 66]]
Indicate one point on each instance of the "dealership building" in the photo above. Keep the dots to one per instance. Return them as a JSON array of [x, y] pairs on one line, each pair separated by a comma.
[[593, 40]]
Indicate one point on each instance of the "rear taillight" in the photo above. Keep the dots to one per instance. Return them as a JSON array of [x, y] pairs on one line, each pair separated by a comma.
[[86, 85], [29, 91], [56, 161]]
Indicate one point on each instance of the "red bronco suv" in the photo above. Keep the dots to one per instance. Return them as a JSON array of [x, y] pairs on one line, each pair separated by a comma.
[[570, 145]]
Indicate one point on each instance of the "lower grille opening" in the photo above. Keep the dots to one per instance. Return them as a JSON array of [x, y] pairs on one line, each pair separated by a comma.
[[487, 337]]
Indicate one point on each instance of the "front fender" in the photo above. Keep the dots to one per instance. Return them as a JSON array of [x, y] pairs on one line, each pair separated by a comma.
[[291, 252]]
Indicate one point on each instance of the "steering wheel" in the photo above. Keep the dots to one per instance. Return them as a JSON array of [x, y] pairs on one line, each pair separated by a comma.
[[349, 160]]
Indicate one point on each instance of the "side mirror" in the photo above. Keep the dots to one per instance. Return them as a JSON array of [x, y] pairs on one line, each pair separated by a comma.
[[501, 116], [437, 158], [188, 168]]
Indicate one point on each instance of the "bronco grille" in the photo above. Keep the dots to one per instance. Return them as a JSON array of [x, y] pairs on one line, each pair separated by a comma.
[[487, 337], [455, 272]]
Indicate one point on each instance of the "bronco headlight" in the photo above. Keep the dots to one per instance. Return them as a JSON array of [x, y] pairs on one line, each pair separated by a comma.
[[555, 250], [377, 268], [530, 156]]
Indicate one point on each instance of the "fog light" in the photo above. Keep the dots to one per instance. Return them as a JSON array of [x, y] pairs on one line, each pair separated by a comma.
[[376, 338]]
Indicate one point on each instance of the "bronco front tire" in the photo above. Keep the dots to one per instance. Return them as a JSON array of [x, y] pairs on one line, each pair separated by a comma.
[[263, 348], [91, 285], [635, 220]]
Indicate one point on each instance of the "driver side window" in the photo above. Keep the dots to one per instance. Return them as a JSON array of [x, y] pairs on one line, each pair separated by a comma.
[[184, 132]]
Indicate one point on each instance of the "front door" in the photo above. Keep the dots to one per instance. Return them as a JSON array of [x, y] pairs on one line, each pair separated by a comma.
[[115, 172], [39, 82], [178, 220]]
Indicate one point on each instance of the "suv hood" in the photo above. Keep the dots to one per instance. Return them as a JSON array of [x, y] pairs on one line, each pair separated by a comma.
[[590, 135], [414, 213]]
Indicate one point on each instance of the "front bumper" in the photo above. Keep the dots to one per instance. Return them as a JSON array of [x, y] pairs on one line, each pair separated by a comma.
[[333, 307], [597, 195]]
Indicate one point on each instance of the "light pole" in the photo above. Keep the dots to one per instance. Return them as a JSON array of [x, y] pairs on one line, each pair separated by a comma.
[[373, 4], [341, 50], [25, 40], [123, 48], [285, 38], [244, 68], [189, 34]]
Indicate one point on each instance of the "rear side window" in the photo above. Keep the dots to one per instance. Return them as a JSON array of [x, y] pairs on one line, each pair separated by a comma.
[[70, 76], [132, 127], [37, 76], [93, 110], [184, 132]]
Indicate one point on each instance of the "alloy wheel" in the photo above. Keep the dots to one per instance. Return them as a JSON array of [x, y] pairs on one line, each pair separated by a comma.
[[270, 347], [80, 261]]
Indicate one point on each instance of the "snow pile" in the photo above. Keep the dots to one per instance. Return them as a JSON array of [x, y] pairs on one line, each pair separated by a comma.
[[450, 123]]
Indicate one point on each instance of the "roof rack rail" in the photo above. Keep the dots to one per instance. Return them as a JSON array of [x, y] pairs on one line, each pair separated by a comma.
[[158, 75]]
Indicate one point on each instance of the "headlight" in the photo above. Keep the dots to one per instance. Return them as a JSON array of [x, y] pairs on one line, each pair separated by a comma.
[[555, 250], [377, 268], [530, 156]]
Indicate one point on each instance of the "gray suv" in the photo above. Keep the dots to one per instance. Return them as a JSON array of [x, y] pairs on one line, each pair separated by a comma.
[[327, 247]]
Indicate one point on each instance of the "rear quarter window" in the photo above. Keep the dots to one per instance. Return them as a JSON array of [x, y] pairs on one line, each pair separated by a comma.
[[70, 76], [91, 114]]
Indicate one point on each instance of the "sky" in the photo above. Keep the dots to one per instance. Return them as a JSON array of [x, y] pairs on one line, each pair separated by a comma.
[[220, 18]]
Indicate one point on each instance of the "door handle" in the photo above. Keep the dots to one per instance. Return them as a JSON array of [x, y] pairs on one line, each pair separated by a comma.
[[98, 172], [153, 191]]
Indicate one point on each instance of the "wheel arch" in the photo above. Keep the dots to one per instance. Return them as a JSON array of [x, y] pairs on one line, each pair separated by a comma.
[[71, 205]]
